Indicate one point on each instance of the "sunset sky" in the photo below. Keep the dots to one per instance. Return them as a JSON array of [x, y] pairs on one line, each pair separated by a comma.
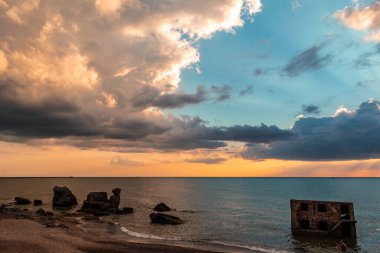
[[189, 88]]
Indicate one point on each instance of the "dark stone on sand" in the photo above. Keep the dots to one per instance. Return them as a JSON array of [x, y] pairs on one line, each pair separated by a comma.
[[41, 212], [164, 219], [125, 210], [63, 197], [162, 207], [2, 208], [37, 202], [22, 201]]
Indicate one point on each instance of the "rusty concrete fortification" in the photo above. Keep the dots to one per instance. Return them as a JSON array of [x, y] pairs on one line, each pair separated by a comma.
[[323, 218]]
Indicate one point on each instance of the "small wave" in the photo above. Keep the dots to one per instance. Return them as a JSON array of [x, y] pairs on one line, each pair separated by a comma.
[[255, 248], [141, 235]]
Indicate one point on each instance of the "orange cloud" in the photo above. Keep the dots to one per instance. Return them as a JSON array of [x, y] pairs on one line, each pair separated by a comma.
[[362, 19]]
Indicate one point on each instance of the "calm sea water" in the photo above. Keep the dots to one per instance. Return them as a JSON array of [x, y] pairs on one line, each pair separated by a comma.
[[248, 212]]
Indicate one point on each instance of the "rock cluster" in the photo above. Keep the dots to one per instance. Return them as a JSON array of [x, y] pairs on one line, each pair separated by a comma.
[[98, 204]]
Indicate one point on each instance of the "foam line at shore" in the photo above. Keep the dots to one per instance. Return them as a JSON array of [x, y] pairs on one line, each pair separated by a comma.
[[145, 236], [253, 248]]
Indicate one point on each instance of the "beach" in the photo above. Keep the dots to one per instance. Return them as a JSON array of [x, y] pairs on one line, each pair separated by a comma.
[[24, 231], [25, 235]]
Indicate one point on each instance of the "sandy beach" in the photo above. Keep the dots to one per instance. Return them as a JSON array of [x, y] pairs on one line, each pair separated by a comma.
[[23, 235], [25, 231]]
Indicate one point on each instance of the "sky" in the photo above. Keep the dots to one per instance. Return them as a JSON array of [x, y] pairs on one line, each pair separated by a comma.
[[190, 88]]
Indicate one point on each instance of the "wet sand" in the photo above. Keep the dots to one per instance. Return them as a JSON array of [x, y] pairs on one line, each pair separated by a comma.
[[23, 235], [23, 231]]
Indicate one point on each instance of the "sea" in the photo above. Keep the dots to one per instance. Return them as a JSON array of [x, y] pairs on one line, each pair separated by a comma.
[[246, 213]]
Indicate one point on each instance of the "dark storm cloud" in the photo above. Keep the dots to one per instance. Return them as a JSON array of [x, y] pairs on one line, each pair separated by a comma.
[[151, 96], [56, 117], [310, 109], [207, 160], [221, 92], [191, 133], [245, 133], [51, 117], [308, 60], [346, 136]]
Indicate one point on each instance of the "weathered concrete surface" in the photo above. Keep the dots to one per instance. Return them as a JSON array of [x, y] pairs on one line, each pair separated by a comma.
[[322, 218]]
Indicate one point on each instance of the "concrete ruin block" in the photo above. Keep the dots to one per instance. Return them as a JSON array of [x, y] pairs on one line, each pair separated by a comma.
[[322, 218]]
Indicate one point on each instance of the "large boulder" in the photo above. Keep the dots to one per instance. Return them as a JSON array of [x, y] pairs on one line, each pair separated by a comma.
[[114, 200], [162, 207], [22, 201], [63, 197], [164, 219], [95, 201]]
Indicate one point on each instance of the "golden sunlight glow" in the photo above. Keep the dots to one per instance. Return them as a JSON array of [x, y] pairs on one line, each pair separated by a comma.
[[24, 160]]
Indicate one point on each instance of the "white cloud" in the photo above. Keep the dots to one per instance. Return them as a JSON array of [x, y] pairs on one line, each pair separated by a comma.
[[362, 19]]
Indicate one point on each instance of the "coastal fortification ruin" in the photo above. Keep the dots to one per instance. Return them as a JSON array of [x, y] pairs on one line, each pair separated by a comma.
[[322, 218]]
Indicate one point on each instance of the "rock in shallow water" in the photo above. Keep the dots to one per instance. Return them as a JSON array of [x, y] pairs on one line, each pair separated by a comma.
[[98, 202], [63, 197], [164, 219], [162, 207], [114, 201], [22, 201], [37, 202]]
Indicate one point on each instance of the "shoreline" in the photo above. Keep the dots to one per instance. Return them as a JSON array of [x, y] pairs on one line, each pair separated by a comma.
[[25, 231]]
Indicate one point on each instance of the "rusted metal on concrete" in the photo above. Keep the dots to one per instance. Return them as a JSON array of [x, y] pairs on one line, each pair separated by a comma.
[[322, 218]]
